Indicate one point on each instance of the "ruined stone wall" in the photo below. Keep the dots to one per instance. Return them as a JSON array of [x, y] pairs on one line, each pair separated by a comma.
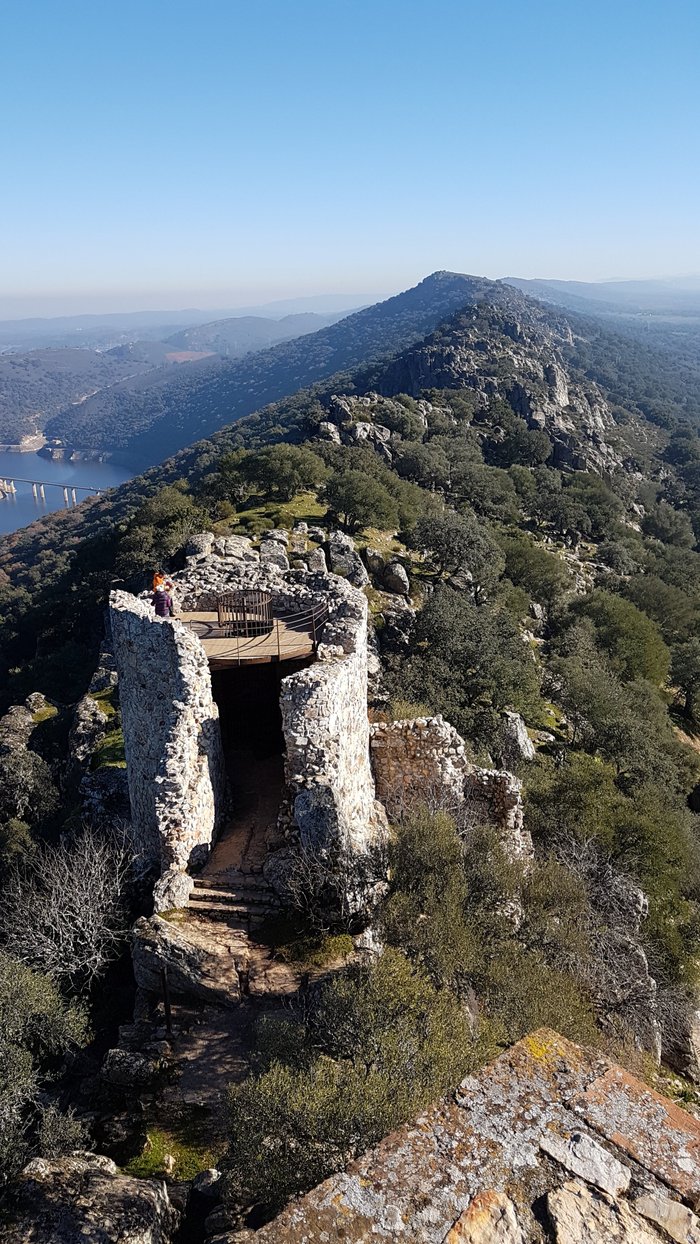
[[174, 756], [326, 730], [424, 761]]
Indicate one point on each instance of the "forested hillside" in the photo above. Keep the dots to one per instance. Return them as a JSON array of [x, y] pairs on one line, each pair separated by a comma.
[[241, 334], [529, 535], [35, 386]]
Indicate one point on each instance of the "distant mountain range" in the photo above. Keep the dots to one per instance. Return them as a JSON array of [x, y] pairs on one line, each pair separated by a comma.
[[680, 296], [38, 385], [240, 334], [144, 400], [102, 331]]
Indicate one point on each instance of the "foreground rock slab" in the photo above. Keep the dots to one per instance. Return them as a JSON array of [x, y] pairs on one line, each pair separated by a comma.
[[548, 1129], [83, 1199]]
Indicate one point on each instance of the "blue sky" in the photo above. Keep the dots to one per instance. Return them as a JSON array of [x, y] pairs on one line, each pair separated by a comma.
[[225, 152]]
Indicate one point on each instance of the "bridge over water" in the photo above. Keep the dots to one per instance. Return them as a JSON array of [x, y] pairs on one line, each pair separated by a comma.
[[70, 491]]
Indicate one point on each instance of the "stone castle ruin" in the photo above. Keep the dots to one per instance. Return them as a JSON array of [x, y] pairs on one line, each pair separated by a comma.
[[197, 703]]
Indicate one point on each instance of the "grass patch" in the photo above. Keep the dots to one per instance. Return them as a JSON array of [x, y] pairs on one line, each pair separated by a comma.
[[174, 915], [264, 515], [406, 710], [109, 754], [384, 541], [105, 701], [185, 1141], [44, 714], [292, 944]]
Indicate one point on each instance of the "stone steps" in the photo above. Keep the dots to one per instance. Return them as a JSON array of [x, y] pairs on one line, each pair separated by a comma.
[[235, 898], [242, 919], [241, 900], [234, 909]]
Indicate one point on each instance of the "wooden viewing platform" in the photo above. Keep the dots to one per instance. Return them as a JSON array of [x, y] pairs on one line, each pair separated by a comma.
[[291, 637]]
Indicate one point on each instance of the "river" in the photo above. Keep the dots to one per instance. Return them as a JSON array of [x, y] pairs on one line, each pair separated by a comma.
[[22, 508]]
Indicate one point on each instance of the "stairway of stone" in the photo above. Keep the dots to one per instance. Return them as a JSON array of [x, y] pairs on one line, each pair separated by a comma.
[[241, 899]]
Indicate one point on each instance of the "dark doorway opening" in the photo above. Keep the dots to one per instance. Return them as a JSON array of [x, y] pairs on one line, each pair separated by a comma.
[[248, 699]]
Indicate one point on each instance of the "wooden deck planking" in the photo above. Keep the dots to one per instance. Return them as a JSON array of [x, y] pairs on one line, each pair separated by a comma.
[[227, 650]]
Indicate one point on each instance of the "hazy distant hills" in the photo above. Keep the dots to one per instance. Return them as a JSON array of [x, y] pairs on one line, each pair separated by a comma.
[[239, 335], [102, 331], [670, 297], [151, 417], [38, 385]]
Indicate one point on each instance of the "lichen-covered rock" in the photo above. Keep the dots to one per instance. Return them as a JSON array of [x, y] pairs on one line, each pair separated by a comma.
[[172, 890], [395, 578], [83, 1199], [345, 560], [477, 1163]]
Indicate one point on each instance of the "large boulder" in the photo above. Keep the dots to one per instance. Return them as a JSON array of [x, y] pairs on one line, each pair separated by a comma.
[[345, 560], [125, 1069], [172, 890], [200, 545], [273, 553], [83, 1199], [395, 578], [197, 956], [90, 725], [515, 742]]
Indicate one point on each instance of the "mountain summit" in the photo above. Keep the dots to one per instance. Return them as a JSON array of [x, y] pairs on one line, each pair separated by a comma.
[[149, 418]]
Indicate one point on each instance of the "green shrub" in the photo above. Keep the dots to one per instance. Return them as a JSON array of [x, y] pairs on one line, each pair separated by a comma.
[[381, 1044]]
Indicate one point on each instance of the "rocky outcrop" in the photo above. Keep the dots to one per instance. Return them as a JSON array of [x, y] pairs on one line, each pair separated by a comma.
[[424, 761], [27, 789], [83, 1199], [345, 560], [200, 963], [172, 741], [172, 890], [548, 1136], [515, 742]]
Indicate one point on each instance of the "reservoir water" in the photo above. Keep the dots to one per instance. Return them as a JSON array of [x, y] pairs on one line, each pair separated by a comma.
[[22, 507]]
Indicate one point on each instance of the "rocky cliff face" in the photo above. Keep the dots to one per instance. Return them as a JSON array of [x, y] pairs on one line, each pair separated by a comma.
[[514, 353], [83, 1199]]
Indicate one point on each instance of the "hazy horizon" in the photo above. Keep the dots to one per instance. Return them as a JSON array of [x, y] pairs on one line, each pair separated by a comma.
[[79, 306]]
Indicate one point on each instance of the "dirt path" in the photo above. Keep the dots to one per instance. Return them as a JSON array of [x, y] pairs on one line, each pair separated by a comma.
[[257, 793]]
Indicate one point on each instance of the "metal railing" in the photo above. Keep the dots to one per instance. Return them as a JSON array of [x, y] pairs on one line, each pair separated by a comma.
[[246, 612]]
